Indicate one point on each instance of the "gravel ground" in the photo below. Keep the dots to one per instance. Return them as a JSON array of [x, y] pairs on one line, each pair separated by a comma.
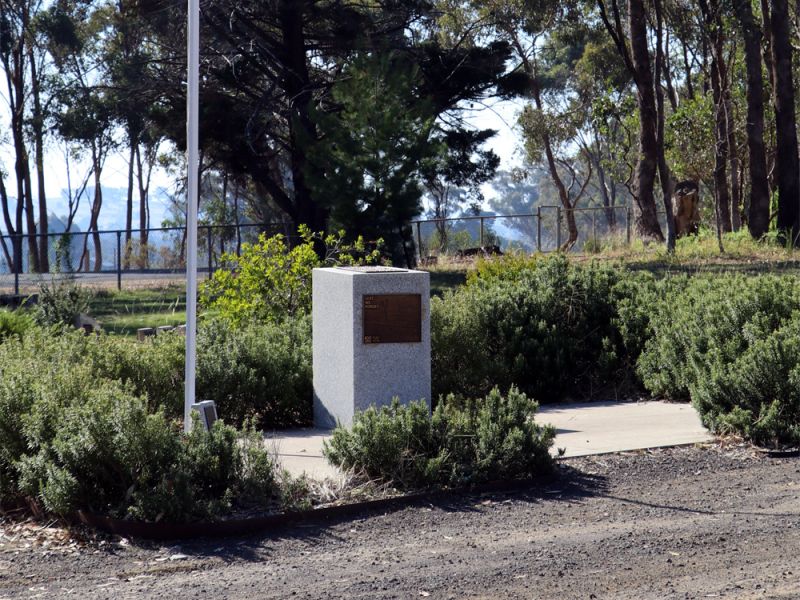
[[676, 523]]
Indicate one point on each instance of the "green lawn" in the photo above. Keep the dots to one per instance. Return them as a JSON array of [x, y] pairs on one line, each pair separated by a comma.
[[126, 311]]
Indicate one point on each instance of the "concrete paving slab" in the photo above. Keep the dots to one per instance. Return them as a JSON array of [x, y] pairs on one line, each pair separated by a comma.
[[300, 451], [602, 427], [581, 429]]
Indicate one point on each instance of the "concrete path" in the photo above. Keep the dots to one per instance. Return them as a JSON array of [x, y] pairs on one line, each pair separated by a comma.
[[581, 429], [602, 427], [300, 450]]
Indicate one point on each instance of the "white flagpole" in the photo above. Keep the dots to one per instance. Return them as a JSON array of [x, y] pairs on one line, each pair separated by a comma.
[[192, 105]]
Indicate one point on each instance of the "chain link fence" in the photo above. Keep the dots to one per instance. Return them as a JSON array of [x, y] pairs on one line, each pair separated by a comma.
[[545, 230], [108, 258], [156, 256]]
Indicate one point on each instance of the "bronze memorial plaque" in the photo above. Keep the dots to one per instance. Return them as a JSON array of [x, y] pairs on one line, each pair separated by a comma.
[[392, 318]]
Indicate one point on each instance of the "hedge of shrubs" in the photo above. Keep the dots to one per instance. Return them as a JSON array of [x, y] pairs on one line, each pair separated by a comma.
[[259, 370], [545, 327], [94, 422], [73, 439], [559, 329], [14, 323]]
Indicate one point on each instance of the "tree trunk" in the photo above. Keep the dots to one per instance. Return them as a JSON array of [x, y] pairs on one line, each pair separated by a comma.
[[645, 174], [758, 211], [21, 162], [298, 88], [14, 55], [766, 21], [666, 70], [129, 202], [608, 199], [664, 175], [721, 193], [236, 217], [38, 138], [30, 219], [563, 194], [13, 226], [734, 164], [439, 194], [143, 259], [706, 85], [9, 228], [97, 203], [788, 165], [713, 27], [7, 257], [687, 68]]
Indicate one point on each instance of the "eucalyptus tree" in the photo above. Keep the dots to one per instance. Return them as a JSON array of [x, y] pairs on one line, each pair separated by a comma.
[[758, 212], [24, 62], [548, 122], [632, 43], [717, 34], [85, 112], [129, 53], [788, 163], [599, 93]]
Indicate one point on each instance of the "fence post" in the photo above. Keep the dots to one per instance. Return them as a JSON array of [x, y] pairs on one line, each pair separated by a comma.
[[419, 242], [538, 228], [558, 227], [119, 261], [210, 248], [594, 227], [628, 225], [481, 232], [17, 267]]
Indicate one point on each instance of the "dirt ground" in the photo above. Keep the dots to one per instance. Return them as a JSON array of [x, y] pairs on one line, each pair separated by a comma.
[[713, 522]]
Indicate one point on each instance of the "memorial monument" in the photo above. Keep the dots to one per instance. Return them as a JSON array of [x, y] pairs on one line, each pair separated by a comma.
[[372, 340]]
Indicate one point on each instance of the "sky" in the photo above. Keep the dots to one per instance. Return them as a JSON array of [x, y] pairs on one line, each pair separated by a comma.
[[498, 115]]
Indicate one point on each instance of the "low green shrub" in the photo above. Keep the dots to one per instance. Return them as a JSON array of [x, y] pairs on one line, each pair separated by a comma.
[[74, 441], [461, 442], [14, 322], [261, 371], [153, 369], [554, 328], [269, 281], [396, 443], [635, 296], [544, 325], [711, 321], [60, 302], [757, 393], [257, 370]]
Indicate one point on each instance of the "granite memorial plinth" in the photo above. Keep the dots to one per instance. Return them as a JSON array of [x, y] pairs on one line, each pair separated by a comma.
[[372, 342]]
